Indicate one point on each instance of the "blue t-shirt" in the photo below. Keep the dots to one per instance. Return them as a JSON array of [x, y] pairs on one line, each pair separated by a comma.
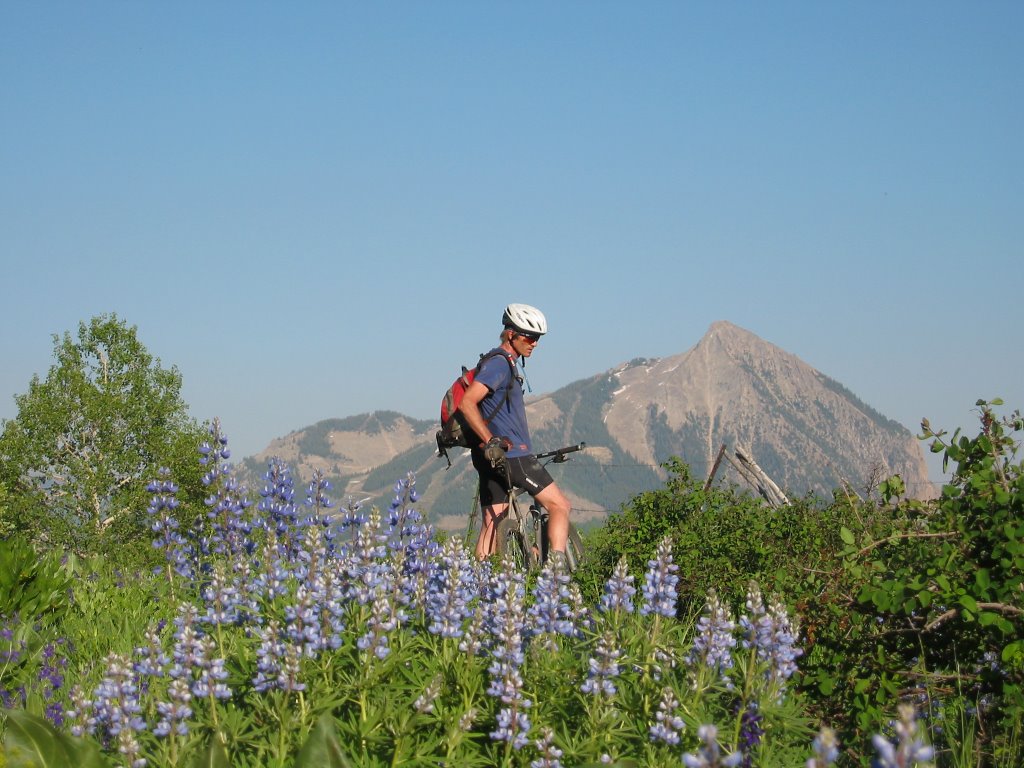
[[510, 419]]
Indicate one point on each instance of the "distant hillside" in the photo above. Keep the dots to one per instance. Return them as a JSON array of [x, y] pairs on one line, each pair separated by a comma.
[[807, 431]]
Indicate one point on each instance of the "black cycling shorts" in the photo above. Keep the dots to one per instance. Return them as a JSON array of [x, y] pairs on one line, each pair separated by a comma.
[[525, 471]]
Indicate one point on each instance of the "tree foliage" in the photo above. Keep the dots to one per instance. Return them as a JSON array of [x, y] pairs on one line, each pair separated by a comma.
[[87, 438]]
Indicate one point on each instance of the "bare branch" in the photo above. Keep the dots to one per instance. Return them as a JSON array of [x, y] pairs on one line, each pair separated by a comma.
[[899, 536], [1003, 608]]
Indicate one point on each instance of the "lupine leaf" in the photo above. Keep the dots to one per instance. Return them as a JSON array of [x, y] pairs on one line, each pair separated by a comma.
[[32, 741], [323, 749], [215, 756]]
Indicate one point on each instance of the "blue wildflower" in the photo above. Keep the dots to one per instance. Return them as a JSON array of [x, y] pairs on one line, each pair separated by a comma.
[[551, 613], [162, 506], [714, 641], [659, 591], [668, 723], [710, 753], [424, 704], [603, 668], [279, 512], [507, 613], [619, 590], [549, 754], [449, 591], [826, 749], [175, 712], [909, 749]]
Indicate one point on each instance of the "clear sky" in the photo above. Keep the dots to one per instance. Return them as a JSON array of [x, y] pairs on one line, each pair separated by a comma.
[[315, 210]]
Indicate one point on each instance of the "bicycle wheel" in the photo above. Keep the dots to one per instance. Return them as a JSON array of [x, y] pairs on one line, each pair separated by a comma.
[[509, 537], [573, 547]]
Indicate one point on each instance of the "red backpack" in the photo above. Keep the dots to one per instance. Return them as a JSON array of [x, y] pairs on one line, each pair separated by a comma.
[[454, 431]]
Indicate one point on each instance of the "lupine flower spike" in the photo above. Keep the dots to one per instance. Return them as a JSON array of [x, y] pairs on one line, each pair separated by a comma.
[[604, 668], [770, 631], [909, 750], [710, 753], [659, 592], [619, 591], [713, 644], [668, 724], [826, 749]]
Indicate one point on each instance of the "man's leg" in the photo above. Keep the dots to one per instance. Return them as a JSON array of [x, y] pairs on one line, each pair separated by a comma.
[[490, 517], [558, 507]]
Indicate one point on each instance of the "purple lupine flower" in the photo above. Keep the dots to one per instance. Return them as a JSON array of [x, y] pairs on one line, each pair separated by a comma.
[[472, 641], [513, 725], [407, 533], [303, 627], [210, 681], [507, 613], [187, 653], [365, 566], [326, 592], [710, 753], [751, 733], [115, 705], [350, 515], [581, 617], [222, 600], [280, 514], [175, 712], [80, 714], [668, 724], [659, 591], [549, 754], [551, 613], [268, 656], [227, 502], [376, 641], [714, 641], [288, 677], [449, 591], [50, 680], [603, 668], [909, 749], [151, 660], [317, 501], [772, 634], [425, 703], [826, 749], [164, 524], [272, 579], [619, 590]]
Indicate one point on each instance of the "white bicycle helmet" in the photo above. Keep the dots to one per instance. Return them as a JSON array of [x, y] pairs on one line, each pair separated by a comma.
[[525, 319]]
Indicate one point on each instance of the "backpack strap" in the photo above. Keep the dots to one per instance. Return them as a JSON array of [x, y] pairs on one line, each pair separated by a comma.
[[512, 377]]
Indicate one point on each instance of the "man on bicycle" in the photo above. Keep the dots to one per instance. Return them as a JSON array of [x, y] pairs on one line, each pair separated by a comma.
[[504, 452]]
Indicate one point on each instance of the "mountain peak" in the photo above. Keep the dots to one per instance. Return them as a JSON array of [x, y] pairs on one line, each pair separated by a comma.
[[734, 388]]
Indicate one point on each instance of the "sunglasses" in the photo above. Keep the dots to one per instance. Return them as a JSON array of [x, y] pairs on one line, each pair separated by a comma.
[[530, 338]]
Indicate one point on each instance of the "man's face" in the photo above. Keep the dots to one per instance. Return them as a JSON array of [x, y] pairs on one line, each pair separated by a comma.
[[523, 343]]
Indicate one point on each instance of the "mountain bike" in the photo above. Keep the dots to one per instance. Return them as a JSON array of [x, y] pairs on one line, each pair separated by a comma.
[[525, 534]]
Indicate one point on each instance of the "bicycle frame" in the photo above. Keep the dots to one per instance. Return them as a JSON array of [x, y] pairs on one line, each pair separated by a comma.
[[526, 533]]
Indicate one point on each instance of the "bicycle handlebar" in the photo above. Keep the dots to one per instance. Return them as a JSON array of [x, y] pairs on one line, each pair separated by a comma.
[[560, 454]]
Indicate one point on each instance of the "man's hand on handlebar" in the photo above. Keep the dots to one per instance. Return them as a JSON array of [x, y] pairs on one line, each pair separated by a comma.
[[495, 450]]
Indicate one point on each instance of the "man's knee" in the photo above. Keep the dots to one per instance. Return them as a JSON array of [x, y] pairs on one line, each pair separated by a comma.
[[554, 501]]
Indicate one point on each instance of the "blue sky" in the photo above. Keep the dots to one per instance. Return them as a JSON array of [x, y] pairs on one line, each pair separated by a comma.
[[315, 210]]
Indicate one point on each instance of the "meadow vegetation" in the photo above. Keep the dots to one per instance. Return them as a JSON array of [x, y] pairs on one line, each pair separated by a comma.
[[180, 619]]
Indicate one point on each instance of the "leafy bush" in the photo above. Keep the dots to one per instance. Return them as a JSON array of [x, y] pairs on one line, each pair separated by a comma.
[[74, 458], [899, 600]]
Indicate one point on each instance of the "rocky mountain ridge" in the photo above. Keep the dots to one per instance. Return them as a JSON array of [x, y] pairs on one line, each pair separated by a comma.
[[805, 430]]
